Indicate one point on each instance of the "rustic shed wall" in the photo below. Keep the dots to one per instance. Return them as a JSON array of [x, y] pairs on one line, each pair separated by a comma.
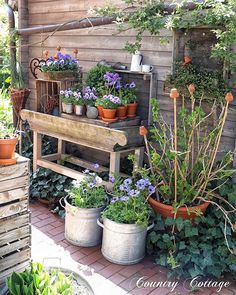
[[99, 43]]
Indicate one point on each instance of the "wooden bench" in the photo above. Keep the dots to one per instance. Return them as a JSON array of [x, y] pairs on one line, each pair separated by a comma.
[[113, 141]]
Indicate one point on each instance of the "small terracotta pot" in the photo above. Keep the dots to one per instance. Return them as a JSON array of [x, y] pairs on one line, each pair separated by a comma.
[[7, 151], [109, 113], [121, 112], [100, 112], [132, 110], [183, 212]]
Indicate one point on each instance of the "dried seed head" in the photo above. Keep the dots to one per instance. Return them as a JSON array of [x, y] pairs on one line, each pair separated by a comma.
[[143, 130], [229, 97], [191, 88], [174, 93]]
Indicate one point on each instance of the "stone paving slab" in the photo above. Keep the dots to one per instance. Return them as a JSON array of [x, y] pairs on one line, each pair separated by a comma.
[[50, 247]]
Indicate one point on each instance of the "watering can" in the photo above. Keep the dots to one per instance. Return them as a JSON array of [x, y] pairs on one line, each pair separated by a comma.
[[136, 63]]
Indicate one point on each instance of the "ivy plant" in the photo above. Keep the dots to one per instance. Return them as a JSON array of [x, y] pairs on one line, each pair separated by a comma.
[[205, 248]]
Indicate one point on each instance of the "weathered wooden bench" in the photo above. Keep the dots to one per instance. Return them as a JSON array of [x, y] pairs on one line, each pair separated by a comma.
[[113, 141]]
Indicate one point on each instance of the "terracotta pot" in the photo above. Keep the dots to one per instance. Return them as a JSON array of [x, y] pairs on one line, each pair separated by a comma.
[[132, 109], [100, 112], [109, 113], [121, 112], [7, 151], [183, 212]]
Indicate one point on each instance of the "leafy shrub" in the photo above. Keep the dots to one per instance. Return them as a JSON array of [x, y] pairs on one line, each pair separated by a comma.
[[37, 280], [95, 77], [194, 250]]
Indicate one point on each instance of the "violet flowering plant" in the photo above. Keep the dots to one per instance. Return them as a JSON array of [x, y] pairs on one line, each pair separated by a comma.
[[60, 62], [109, 102], [90, 96], [128, 93], [128, 203], [88, 192], [67, 96]]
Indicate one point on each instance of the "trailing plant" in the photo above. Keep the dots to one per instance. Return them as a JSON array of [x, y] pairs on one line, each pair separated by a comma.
[[89, 192], [37, 280], [209, 85], [198, 249], [128, 203], [152, 16]]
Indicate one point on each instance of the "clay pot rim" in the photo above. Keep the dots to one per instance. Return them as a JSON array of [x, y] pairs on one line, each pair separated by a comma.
[[11, 140], [132, 103], [181, 209]]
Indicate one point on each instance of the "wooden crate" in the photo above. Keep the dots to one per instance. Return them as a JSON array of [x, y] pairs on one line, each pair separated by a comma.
[[48, 90], [15, 225], [15, 242]]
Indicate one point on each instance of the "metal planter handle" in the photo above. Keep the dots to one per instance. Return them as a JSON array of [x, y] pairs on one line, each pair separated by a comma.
[[99, 223], [150, 226], [60, 202]]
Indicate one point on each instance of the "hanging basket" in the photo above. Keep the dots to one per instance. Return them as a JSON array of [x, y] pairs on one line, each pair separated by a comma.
[[59, 75]]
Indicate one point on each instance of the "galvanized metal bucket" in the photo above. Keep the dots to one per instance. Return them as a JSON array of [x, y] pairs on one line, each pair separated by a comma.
[[123, 243], [81, 227]]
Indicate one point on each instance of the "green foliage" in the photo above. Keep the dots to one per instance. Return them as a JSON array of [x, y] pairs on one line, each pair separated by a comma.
[[88, 193], [151, 16], [194, 250], [209, 85], [6, 120], [37, 280], [17, 76], [46, 184], [128, 204], [95, 76]]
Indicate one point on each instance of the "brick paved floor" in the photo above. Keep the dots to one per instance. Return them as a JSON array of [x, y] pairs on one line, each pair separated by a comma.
[[50, 247]]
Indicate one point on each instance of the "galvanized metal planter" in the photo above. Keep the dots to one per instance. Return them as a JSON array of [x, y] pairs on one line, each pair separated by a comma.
[[81, 227], [123, 243]]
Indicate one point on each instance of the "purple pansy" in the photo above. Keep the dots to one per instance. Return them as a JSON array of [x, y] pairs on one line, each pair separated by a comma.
[[95, 165], [112, 179], [151, 189]]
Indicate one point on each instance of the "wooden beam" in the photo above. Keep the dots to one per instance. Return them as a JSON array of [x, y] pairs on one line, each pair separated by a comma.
[[52, 157], [61, 169]]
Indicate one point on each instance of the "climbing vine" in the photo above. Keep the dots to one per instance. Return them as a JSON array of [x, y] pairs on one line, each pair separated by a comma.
[[152, 16]]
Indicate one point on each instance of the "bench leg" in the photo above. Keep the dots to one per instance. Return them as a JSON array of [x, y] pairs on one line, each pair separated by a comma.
[[114, 163], [37, 149], [139, 154], [61, 147]]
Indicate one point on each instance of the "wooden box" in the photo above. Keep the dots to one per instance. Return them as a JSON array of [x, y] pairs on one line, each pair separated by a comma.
[[48, 93], [15, 227]]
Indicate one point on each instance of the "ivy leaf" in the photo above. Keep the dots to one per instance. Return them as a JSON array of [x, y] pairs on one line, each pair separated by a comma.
[[179, 224], [191, 231]]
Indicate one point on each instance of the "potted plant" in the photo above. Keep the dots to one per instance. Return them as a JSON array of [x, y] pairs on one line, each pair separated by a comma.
[[85, 201], [41, 280], [60, 67], [67, 99], [130, 98], [183, 164], [125, 221], [8, 142], [78, 103], [18, 92], [90, 98], [109, 104]]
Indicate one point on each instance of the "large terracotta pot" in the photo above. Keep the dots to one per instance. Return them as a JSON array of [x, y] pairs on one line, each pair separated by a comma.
[[183, 212], [121, 112], [100, 112], [132, 110], [109, 115], [7, 151]]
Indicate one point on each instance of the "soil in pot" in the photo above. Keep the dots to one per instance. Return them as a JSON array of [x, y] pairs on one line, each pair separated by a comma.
[[122, 112], [132, 110], [109, 115], [188, 213], [7, 151]]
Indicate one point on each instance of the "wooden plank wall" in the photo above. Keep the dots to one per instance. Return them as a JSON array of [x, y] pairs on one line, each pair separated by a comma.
[[95, 44]]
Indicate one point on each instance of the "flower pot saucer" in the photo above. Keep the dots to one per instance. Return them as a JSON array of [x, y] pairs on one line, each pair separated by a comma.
[[8, 162], [110, 120], [122, 118], [131, 116]]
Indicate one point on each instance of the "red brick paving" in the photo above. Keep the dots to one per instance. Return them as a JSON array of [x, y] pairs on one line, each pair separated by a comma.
[[125, 277]]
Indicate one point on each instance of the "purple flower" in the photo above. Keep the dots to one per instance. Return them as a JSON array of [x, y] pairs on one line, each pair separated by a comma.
[[132, 85], [84, 191], [124, 199], [140, 184], [127, 181], [151, 189], [62, 92], [86, 171], [91, 185], [95, 166], [112, 179], [122, 187], [147, 182], [134, 193], [114, 200]]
